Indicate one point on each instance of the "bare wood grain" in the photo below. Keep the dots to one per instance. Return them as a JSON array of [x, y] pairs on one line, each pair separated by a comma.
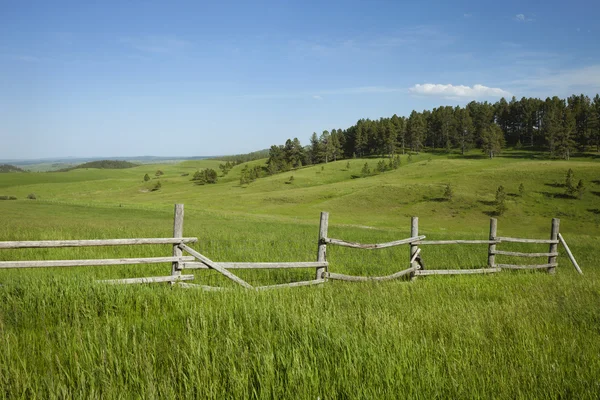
[[153, 279], [355, 245], [354, 278], [258, 265], [514, 266], [216, 266], [292, 284], [519, 254], [97, 242], [571, 257], [426, 272], [87, 263], [521, 240]]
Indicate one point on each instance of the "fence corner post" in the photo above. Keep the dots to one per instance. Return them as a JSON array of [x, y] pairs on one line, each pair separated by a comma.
[[322, 250], [554, 245], [177, 233], [414, 232], [492, 246]]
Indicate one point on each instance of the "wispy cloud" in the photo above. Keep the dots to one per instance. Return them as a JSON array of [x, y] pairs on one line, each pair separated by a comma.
[[156, 44], [523, 18], [320, 94], [21, 57], [566, 81], [467, 15], [317, 97], [457, 91]]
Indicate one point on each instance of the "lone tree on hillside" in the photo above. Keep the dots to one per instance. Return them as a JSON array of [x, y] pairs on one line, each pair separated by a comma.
[[448, 193], [570, 188], [159, 173], [146, 178], [500, 200], [580, 189], [366, 170]]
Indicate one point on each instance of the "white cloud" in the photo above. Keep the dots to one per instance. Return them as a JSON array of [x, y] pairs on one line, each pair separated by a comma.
[[563, 82], [523, 18], [457, 91], [467, 15], [317, 97]]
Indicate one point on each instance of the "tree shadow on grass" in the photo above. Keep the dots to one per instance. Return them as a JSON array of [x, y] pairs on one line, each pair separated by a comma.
[[597, 181], [594, 210], [555, 185], [491, 214], [595, 193], [487, 203], [557, 195], [512, 195], [436, 199]]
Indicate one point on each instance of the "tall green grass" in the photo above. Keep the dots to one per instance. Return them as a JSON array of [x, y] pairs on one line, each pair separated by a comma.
[[509, 335]]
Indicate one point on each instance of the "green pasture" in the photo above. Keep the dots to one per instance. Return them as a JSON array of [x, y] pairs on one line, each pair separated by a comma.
[[509, 335]]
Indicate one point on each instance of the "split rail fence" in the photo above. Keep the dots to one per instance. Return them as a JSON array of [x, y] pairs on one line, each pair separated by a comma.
[[195, 260]]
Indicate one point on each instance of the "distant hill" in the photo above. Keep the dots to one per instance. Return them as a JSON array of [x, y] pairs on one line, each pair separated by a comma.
[[10, 168], [102, 164], [240, 158]]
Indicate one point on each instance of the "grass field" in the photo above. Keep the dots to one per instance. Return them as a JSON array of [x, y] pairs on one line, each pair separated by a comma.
[[510, 335]]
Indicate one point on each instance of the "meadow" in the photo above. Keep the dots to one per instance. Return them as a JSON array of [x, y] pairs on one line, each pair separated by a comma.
[[509, 335]]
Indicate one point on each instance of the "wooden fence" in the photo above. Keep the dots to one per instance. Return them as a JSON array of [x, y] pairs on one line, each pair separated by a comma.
[[195, 260]]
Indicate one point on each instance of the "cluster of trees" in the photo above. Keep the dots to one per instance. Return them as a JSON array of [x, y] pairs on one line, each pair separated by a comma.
[[559, 126], [225, 168], [251, 174], [205, 176]]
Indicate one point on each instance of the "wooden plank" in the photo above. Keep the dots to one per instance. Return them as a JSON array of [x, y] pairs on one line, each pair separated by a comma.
[[571, 257], [292, 284], [521, 240], [216, 266], [203, 287], [553, 248], [354, 278], [492, 246], [258, 265], [322, 247], [426, 272], [87, 263], [413, 250], [519, 254], [85, 243], [414, 257], [436, 242], [513, 266], [153, 279], [177, 233], [355, 245]]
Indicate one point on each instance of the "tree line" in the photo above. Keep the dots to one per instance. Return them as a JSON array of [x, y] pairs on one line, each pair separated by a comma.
[[558, 126]]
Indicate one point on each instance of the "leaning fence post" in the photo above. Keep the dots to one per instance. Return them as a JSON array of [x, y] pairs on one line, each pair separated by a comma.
[[492, 246], [177, 233], [322, 252], [554, 245], [414, 232]]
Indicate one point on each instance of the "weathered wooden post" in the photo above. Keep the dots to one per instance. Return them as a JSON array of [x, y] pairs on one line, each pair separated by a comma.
[[492, 246], [177, 233], [322, 251], [414, 232], [553, 245]]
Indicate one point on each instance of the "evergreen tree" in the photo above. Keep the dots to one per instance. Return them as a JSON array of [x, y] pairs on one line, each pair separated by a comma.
[[492, 140], [415, 131], [580, 189], [500, 200], [570, 188], [146, 178], [521, 190], [448, 193]]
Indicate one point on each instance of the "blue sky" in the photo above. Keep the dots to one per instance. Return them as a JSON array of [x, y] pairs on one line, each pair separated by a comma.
[[126, 78]]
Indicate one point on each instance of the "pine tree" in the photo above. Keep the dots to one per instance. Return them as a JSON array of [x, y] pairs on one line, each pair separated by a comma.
[[521, 190], [366, 170], [580, 189], [448, 193], [500, 200], [146, 178], [569, 183], [492, 140]]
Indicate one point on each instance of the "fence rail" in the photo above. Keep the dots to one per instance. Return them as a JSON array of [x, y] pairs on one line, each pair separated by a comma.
[[196, 260]]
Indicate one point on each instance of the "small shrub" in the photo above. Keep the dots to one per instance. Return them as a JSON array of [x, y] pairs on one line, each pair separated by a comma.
[[146, 178], [159, 173], [381, 167], [580, 189], [570, 188], [348, 165], [31, 196], [157, 186], [185, 174], [448, 193], [409, 157], [521, 190], [365, 170], [500, 200], [8, 198]]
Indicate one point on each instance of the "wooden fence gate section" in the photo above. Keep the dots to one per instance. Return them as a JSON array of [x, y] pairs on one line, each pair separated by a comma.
[[196, 260]]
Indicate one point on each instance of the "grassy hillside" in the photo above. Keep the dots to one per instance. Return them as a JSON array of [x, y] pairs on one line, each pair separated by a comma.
[[514, 334], [10, 168], [103, 164]]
